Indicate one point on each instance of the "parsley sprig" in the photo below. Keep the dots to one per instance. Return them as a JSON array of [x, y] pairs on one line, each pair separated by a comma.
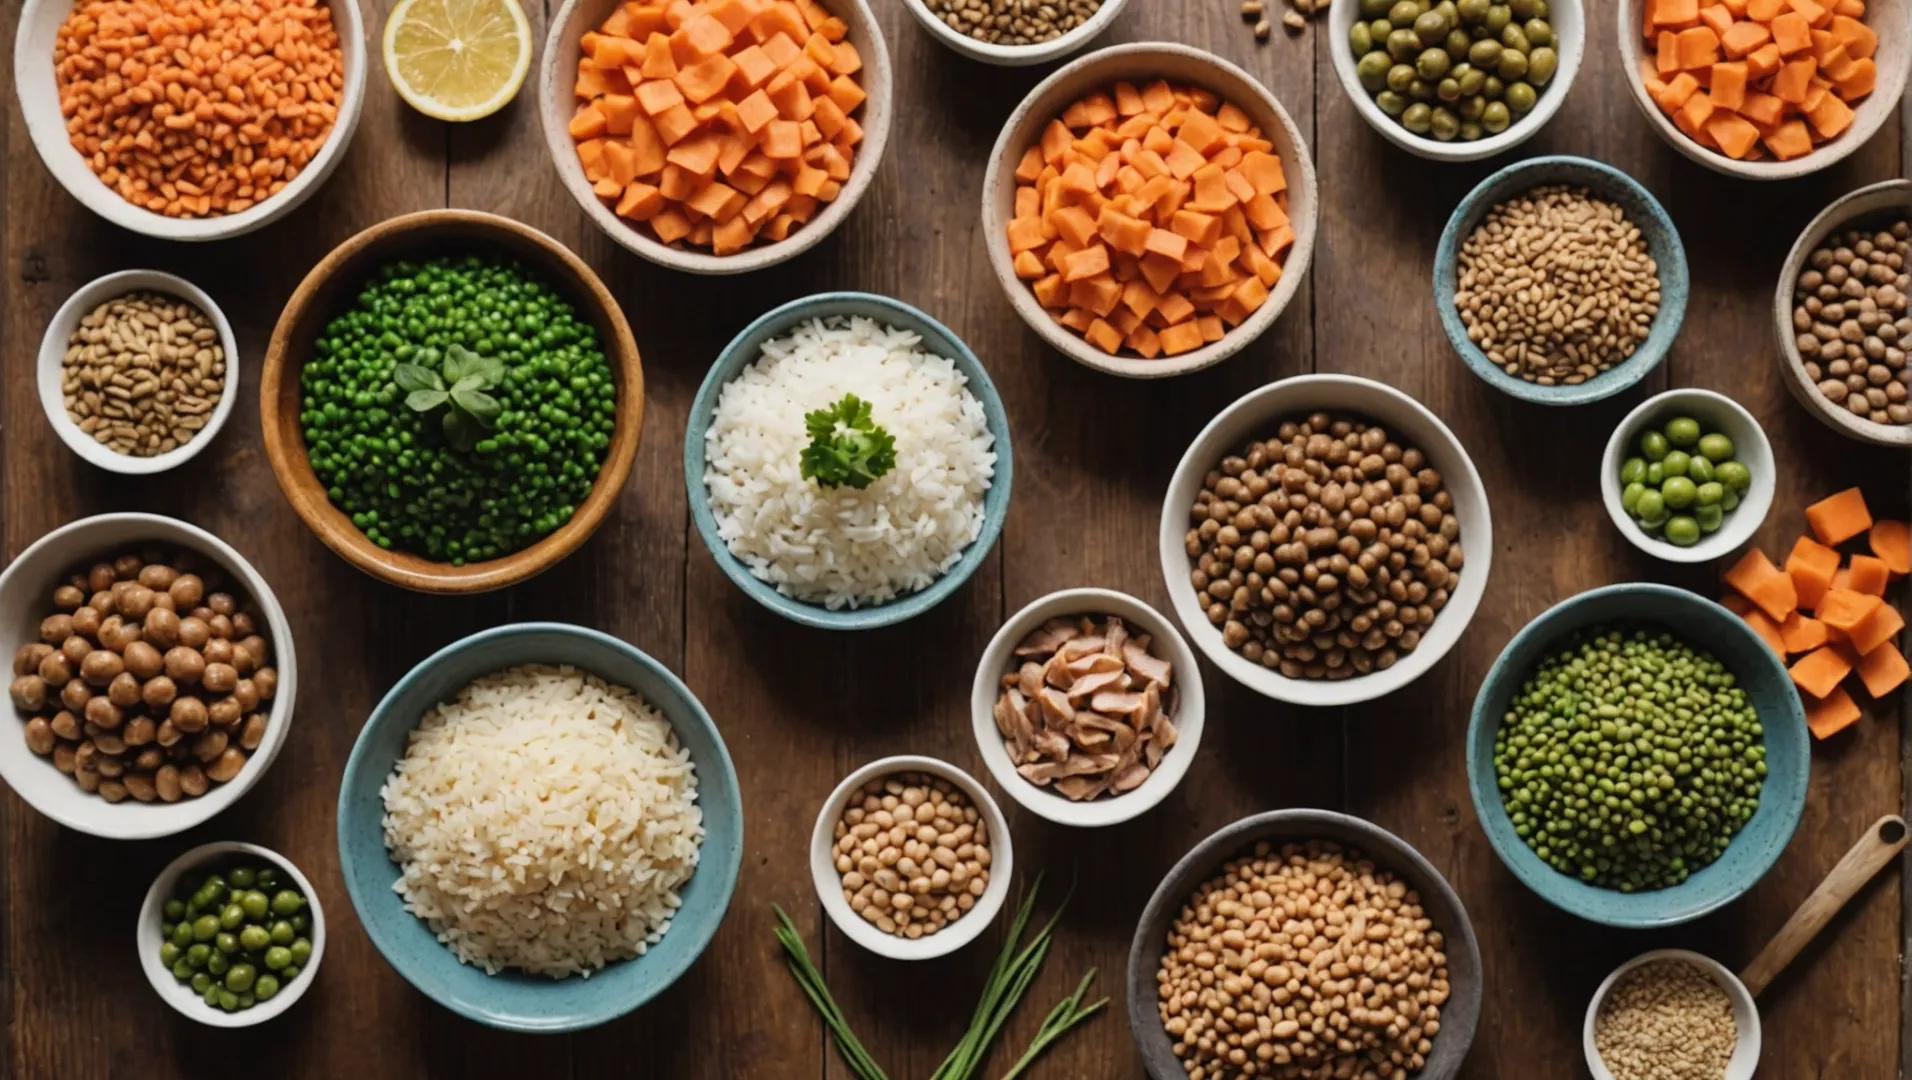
[[846, 445]]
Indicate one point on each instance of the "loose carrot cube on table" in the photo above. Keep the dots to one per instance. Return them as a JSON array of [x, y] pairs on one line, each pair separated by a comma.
[[1838, 518], [1830, 715], [1883, 670]]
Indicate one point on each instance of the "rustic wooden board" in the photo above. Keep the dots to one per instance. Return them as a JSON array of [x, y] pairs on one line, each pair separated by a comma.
[[800, 707]]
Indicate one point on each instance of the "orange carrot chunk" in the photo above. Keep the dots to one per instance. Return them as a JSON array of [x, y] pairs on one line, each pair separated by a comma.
[[1832, 714], [1876, 629], [1769, 631], [1883, 670], [1869, 574], [1812, 566], [1838, 518], [1891, 541], [1819, 672], [1844, 609], [1757, 579], [1802, 633]]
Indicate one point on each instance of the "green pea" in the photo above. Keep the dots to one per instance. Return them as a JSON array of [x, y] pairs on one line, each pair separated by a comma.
[[1729, 501], [1683, 431], [183, 934], [1404, 13], [1699, 470], [1471, 80], [1432, 64], [1361, 39], [1515, 39], [1709, 493], [1716, 446], [1430, 27], [1444, 124], [1630, 496], [1650, 508], [291, 970], [1542, 62], [174, 910], [200, 982], [1471, 109], [1484, 53], [286, 902], [1390, 103], [1655, 474], [198, 954], [1498, 16], [1418, 118], [169, 952], [205, 928], [239, 977], [1495, 117], [218, 964], [227, 942], [278, 956], [265, 987], [1473, 11], [1378, 31], [1493, 88], [1523, 9], [1421, 90], [1403, 46], [1633, 470], [182, 970], [1679, 492], [1372, 70], [256, 904], [1448, 89], [1709, 517], [301, 951], [1471, 130], [212, 995], [1682, 530], [1675, 463], [1734, 475], [301, 922], [254, 938], [1539, 32], [247, 1000], [281, 933], [242, 877], [232, 916], [1520, 96], [228, 1001], [1653, 446], [1456, 44], [1512, 66]]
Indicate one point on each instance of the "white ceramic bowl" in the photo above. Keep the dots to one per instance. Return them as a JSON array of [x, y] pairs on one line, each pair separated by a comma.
[[1185, 676], [556, 103], [1255, 416], [53, 352], [1745, 1014], [1887, 18], [26, 591], [40, 22], [954, 935], [1147, 60], [1885, 200], [1570, 29], [1016, 55], [179, 995], [1715, 412]]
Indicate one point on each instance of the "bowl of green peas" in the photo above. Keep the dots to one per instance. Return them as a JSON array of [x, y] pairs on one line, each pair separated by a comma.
[[1688, 476], [231, 934]]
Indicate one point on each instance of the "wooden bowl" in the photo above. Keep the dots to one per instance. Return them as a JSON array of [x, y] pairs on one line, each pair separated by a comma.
[[1141, 62], [1887, 18], [328, 289], [1893, 198], [556, 104]]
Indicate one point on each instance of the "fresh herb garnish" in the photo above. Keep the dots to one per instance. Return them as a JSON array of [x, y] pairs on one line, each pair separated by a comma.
[[846, 446], [460, 387]]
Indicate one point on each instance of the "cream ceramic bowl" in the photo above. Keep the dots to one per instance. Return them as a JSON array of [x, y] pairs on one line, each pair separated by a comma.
[[1570, 28], [1887, 18], [40, 22], [1016, 55], [1893, 198], [1255, 416], [557, 103], [1745, 1057], [1715, 412], [1147, 60], [53, 355], [954, 935], [1184, 675]]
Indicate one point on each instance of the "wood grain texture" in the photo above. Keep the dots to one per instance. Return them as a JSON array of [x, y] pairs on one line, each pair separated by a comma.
[[799, 708]]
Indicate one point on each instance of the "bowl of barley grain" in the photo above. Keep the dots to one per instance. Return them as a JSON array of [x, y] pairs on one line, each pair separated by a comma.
[[1014, 33], [1560, 281]]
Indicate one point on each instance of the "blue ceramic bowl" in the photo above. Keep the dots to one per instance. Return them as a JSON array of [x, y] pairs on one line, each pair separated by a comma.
[[744, 349], [510, 1000], [1705, 625], [1607, 182]]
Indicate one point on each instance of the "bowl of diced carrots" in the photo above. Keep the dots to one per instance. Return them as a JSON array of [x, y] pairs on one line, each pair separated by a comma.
[[1831, 611], [1149, 209], [716, 136], [1766, 89]]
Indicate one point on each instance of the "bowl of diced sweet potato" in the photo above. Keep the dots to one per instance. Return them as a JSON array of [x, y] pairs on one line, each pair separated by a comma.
[[1150, 209], [1766, 89], [716, 136]]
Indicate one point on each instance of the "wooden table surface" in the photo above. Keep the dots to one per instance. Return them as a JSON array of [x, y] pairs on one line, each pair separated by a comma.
[[800, 708]]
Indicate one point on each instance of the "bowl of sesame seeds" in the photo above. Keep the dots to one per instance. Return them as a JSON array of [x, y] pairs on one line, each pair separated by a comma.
[[1015, 33]]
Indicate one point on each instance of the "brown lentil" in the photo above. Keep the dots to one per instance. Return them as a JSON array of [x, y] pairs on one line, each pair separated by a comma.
[[1849, 311], [1013, 22], [1666, 1020], [1557, 286], [1303, 961], [143, 373], [1326, 551], [912, 852]]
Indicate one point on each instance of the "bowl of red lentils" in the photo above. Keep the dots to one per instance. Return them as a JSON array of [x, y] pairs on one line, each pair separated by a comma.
[[181, 126]]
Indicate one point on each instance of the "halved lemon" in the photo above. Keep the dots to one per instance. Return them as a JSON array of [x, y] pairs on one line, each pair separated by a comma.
[[457, 59]]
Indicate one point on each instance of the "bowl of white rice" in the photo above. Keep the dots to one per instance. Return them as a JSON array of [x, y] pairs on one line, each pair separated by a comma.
[[839, 555], [540, 827]]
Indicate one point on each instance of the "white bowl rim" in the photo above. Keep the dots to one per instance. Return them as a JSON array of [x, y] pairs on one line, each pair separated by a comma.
[[1189, 720], [53, 351], [279, 719], [147, 941], [953, 936], [1741, 523], [47, 130], [1017, 55], [1294, 271], [1745, 1052], [1341, 16], [1461, 605], [553, 95]]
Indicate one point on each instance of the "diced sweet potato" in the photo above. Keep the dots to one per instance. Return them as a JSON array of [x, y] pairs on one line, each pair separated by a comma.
[[1883, 670], [1840, 517], [1832, 714], [1756, 578]]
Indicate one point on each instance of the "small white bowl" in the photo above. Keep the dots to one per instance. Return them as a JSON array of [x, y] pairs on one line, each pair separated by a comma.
[[1887, 18], [1745, 1013], [558, 74], [26, 596], [954, 935], [1255, 416], [53, 353], [1570, 30], [178, 994], [1144, 61], [1185, 676], [40, 22], [1016, 55], [1715, 412]]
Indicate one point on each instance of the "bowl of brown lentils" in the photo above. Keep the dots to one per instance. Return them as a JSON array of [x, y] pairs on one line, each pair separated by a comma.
[[1015, 33], [1841, 315], [138, 371], [152, 675], [1325, 540]]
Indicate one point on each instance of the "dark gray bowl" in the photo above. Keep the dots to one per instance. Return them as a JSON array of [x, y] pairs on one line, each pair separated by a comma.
[[1459, 1016]]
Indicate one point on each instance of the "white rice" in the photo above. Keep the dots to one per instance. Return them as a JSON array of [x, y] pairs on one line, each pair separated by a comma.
[[841, 547], [543, 820]]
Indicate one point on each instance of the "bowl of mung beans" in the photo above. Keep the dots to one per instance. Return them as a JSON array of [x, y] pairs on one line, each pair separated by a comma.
[[1015, 33], [1638, 756], [1617, 291]]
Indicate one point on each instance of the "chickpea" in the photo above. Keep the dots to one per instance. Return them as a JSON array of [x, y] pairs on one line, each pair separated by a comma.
[[158, 577], [56, 669], [66, 725], [219, 678], [254, 731], [126, 567], [192, 780], [187, 590], [75, 694], [227, 766], [193, 632], [209, 746], [135, 601], [158, 692], [27, 660], [102, 713], [224, 713], [166, 783], [87, 621], [218, 651], [40, 738], [139, 731], [56, 628], [123, 691], [100, 577], [162, 628], [101, 667], [189, 715], [143, 661], [28, 693], [184, 664]]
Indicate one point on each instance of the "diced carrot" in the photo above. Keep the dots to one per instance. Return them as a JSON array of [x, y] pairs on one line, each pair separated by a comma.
[[1802, 633], [1869, 574], [1180, 338], [1876, 629], [1812, 566], [1086, 263], [846, 93], [696, 155], [1891, 541], [1675, 12], [1883, 670], [782, 140], [1718, 16], [1840, 517], [1857, 81], [1679, 89], [1831, 715], [1666, 53], [1794, 79], [1820, 671], [1763, 61], [1735, 136], [1757, 579], [1844, 609], [588, 122], [1743, 37], [1104, 337], [1789, 140], [1811, 10], [1830, 116], [1728, 87], [1762, 109], [1073, 224], [1768, 630], [640, 201], [674, 123], [1860, 40], [1698, 48], [1764, 10]]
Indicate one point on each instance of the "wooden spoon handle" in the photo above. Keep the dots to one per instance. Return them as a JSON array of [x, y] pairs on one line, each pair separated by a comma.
[[1880, 844]]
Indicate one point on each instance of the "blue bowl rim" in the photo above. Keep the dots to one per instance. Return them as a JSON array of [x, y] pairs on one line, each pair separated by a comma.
[[1666, 325], [727, 870], [1537, 876], [823, 305]]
